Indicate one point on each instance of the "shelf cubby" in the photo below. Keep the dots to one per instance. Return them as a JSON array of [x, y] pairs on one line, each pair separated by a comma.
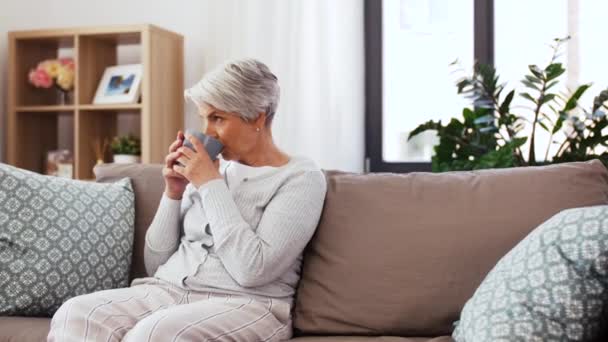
[[31, 51], [41, 132]]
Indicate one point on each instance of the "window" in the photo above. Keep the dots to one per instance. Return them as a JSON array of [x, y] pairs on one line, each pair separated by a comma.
[[409, 44], [420, 40]]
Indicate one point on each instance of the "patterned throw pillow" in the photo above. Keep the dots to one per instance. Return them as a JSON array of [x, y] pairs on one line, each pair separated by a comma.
[[552, 286], [60, 238]]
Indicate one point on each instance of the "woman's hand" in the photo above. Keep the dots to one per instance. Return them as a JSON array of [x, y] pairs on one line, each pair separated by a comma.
[[197, 166], [175, 183]]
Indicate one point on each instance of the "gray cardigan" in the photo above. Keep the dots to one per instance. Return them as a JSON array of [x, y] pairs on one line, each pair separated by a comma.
[[246, 238]]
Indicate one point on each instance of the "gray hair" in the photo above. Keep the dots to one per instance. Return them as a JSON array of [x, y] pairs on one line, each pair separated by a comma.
[[246, 87]]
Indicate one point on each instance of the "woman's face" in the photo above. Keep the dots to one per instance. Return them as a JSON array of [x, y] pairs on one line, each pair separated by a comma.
[[237, 135]]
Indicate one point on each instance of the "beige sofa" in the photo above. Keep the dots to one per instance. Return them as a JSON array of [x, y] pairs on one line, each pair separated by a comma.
[[394, 254]]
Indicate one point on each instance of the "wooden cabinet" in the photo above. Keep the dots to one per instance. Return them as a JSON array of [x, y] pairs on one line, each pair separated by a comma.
[[37, 122]]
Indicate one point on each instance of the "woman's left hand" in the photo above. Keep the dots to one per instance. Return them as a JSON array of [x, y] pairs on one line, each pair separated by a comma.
[[197, 166]]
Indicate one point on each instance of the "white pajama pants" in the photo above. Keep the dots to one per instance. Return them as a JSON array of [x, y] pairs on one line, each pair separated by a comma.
[[155, 310]]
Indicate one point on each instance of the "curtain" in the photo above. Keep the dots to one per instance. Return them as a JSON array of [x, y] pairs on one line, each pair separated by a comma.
[[315, 47]]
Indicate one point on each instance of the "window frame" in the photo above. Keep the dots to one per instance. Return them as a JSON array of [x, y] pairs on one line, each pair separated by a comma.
[[483, 52]]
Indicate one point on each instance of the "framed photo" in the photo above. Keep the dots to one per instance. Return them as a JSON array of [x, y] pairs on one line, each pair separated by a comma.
[[119, 84]]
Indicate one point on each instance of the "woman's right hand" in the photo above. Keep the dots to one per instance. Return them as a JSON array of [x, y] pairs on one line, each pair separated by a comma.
[[175, 184]]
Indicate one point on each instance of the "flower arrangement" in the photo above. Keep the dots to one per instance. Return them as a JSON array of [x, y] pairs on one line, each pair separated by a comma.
[[53, 72]]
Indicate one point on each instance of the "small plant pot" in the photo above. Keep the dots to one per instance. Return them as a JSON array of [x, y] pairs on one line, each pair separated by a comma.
[[126, 158]]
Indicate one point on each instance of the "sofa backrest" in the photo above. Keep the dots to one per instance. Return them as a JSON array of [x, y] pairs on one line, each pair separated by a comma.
[[399, 254], [148, 185]]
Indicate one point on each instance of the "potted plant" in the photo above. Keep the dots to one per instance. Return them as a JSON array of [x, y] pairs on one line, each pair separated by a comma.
[[490, 133], [126, 149]]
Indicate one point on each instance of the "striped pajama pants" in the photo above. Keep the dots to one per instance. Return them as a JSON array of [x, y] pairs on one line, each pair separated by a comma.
[[155, 310]]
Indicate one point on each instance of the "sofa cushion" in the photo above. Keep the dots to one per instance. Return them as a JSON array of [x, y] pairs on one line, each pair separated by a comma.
[[60, 238], [551, 286], [148, 186], [399, 254], [24, 329]]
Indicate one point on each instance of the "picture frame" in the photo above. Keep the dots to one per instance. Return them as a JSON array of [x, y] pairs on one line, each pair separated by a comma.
[[120, 84]]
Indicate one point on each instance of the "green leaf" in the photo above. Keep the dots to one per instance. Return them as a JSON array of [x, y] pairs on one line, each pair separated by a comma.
[[553, 109], [553, 71], [517, 142], [429, 125], [500, 89], [546, 117], [479, 112], [528, 97], [469, 116], [533, 79], [599, 100], [536, 71], [530, 85], [546, 98], [504, 107], [573, 100], [541, 124], [462, 84]]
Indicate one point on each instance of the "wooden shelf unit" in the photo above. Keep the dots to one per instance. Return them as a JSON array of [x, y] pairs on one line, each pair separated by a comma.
[[36, 120]]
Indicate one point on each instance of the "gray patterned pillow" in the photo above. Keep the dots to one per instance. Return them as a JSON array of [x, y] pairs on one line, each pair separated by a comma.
[[60, 238], [552, 286]]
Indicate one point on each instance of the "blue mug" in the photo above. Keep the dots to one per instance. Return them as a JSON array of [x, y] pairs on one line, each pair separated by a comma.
[[212, 145]]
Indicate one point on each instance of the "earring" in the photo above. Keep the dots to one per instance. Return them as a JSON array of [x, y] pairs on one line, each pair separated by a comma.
[[257, 129]]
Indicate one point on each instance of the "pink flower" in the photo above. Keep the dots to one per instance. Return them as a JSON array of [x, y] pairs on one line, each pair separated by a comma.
[[40, 78], [53, 71]]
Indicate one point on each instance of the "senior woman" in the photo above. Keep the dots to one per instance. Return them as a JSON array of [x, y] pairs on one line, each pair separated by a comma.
[[225, 246]]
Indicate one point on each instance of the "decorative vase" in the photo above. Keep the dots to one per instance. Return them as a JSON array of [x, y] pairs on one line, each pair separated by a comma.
[[125, 159], [65, 97]]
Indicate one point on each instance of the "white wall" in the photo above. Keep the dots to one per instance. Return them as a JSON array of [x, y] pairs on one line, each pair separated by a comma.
[[217, 30]]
